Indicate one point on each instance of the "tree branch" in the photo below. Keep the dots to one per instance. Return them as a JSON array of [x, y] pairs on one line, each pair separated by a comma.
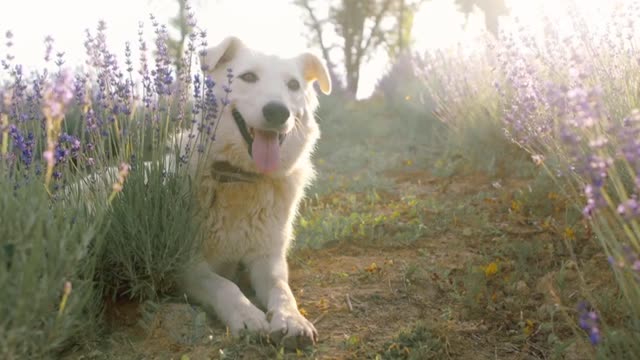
[[316, 25], [376, 25]]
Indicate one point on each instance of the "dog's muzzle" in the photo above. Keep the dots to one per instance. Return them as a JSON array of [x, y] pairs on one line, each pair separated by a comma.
[[244, 131]]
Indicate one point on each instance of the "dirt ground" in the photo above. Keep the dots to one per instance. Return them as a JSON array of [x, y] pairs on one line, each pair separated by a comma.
[[379, 300]]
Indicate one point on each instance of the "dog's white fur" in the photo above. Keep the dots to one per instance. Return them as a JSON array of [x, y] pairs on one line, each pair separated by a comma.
[[251, 223]]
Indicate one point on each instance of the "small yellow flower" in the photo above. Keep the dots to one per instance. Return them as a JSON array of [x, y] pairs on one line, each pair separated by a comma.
[[516, 206], [529, 326], [322, 304], [491, 269], [372, 268], [569, 234]]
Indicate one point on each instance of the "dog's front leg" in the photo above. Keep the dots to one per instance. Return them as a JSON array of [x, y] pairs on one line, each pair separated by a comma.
[[270, 279], [221, 295]]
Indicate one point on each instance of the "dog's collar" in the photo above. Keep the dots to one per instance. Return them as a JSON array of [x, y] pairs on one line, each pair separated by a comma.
[[242, 126], [244, 131], [224, 172]]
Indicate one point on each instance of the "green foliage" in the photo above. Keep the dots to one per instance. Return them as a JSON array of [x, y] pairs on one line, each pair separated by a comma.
[[44, 245], [151, 235]]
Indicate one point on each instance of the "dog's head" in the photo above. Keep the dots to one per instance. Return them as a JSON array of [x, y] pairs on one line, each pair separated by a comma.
[[269, 125]]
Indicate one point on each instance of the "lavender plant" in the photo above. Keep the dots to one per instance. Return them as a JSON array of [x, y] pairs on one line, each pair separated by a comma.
[[462, 86], [568, 97], [92, 187]]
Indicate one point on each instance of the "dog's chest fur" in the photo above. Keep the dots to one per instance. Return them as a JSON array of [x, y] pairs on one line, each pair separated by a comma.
[[243, 220]]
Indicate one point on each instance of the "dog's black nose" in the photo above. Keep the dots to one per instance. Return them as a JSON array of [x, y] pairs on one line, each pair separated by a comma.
[[275, 113]]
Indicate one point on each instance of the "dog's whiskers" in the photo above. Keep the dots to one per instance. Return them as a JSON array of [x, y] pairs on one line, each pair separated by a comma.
[[297, 126]]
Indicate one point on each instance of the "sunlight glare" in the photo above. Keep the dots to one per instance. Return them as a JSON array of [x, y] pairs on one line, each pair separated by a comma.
[[530, 14], [439, 25]]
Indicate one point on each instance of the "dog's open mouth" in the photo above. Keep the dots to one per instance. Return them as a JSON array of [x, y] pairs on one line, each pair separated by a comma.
[[281, 136], [263, 145]]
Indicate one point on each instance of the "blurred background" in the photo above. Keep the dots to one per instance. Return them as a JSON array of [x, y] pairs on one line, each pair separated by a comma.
[[375, 32]]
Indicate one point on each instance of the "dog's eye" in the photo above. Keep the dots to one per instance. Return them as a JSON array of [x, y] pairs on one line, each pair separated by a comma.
[[293, 85], [249, 77]]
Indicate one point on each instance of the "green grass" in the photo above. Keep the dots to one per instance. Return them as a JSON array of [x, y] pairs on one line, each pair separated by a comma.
[[361, 217], [419, 342], [360, 140]]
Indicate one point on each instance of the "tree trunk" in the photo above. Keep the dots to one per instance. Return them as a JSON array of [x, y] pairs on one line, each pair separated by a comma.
[[491, 22]]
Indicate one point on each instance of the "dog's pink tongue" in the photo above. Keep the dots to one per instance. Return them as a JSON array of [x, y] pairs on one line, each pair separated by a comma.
[[266, 150]]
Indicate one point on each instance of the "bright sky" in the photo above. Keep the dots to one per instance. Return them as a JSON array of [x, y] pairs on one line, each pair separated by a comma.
[[273, 26]]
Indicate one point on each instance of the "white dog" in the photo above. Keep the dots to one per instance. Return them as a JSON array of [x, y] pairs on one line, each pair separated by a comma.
[[253, 180]]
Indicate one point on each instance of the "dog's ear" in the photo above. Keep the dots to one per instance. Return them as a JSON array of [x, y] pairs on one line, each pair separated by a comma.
[[222, 53], [314, 70]]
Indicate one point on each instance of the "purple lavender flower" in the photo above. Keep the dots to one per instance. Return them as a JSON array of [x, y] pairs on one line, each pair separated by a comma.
[[127, 56], [209, 108], [629, 260], [48, 42], [60, 59], [163, 77], [79, 89], [6, 62], [202, 53], [589, 322], [629, 209], [595, 200], [197, 103], [68, 147], [23, 146], [58, 95]]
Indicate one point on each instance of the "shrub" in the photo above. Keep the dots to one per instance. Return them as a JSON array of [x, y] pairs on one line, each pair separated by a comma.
[[79, 205], [461, 84], [49, 295]]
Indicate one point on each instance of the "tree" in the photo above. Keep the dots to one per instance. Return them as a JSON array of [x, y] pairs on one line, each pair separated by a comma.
[[316, 26], [362, 27], [492, 10], [400, 41]]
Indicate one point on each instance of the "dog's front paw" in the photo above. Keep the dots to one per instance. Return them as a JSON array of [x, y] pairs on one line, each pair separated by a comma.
[[291, 329], [247, 319]]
